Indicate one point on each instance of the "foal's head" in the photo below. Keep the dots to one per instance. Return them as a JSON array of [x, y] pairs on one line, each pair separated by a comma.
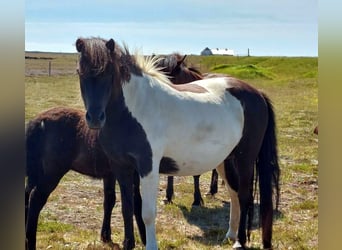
[[102, 70], [174, 66]]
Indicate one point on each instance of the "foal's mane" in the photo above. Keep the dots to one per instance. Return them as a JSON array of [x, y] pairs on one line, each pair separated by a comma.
[[96, 58]]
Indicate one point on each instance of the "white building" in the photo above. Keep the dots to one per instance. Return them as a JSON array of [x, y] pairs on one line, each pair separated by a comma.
[[217, 51]]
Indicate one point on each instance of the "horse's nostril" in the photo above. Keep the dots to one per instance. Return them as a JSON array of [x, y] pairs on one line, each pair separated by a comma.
[[102, 116], [88, 117]]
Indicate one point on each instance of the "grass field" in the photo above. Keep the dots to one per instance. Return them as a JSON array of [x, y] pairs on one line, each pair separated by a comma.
[[72, 217]]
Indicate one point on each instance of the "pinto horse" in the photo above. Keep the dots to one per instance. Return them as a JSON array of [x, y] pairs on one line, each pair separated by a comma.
[[175, 68], [59, 140], [77, 149], [134, 106]]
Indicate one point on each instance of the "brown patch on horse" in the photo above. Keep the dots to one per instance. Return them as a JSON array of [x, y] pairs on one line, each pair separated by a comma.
[[189, 87], [237, 87]]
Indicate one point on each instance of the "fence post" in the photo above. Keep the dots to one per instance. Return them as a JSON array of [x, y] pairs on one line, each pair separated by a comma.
[[49, 68]]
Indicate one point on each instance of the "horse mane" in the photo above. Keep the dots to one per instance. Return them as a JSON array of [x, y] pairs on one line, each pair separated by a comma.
[[170, 62], [96, 58], [175, 67], [150, 65]]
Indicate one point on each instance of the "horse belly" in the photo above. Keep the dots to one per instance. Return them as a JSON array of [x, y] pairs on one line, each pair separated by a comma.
[[205, 137], [198, 155]]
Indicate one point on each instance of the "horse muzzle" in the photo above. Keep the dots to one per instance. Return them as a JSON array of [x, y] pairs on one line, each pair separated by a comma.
[[95, 120]]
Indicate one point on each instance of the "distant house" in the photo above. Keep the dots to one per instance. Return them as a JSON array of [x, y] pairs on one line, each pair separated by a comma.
[[217, 51], [206, 52]]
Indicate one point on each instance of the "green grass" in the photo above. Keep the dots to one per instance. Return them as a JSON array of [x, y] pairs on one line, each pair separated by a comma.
[[72, 217], [249, 71]]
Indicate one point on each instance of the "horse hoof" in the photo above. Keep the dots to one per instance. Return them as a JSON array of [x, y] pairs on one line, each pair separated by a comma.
[[167, 202], [128, 244], [106, 239], [196, 204], [238, 246]]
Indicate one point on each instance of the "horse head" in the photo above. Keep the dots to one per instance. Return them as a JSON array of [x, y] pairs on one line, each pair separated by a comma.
[[98, 71], [175, 67]]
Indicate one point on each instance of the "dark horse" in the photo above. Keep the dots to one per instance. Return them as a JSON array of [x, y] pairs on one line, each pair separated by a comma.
[[59, 140], [134, 106]]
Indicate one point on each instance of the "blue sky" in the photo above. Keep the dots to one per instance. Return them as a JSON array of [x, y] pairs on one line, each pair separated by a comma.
[[266, 27]]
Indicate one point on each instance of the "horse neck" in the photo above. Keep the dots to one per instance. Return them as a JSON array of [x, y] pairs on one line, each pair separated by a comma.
[[187, 77], [115, 107]]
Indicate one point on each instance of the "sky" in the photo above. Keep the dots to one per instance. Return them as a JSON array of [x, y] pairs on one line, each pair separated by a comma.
[[265, 27]]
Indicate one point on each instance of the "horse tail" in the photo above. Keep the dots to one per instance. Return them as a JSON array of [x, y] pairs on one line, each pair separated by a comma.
[[34, 139], [268, 171]]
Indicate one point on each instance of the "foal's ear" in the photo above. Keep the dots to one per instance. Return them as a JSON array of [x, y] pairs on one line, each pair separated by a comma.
[[110, 45], [79, 45]]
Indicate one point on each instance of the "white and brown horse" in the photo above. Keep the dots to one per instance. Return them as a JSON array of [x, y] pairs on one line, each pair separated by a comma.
[[179, 129]]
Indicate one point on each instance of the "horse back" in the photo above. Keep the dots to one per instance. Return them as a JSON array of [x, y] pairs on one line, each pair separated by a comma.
[[59, 140]]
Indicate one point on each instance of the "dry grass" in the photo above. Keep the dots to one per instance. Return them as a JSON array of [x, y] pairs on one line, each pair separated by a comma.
[[72, 217]]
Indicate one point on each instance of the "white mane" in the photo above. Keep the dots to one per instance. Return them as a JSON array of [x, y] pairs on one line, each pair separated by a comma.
[[148, 64]]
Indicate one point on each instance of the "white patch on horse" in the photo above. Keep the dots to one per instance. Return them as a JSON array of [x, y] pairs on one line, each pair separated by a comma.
[[187, 124]]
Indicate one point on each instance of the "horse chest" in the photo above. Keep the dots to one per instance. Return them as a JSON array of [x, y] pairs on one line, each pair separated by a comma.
[[125, 140]]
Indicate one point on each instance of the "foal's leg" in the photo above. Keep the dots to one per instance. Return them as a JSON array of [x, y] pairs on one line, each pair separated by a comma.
[[198, 201], [169, 189], [28, 190], [108, 204], [36, 201]]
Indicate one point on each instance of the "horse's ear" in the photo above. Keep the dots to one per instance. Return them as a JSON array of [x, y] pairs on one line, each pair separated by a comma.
[[110, 45], [79, 45], [183, 58], [181, 61]]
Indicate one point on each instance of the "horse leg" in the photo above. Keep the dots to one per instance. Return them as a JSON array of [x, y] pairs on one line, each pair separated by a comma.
[[266, 206], [138, 208], [108, 205], [125, 179], [227, 172], [36, 201], [149, 191], [169, 189], [250, 213], [28, 190], [245, 172], [198, 201], [213, 183]]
